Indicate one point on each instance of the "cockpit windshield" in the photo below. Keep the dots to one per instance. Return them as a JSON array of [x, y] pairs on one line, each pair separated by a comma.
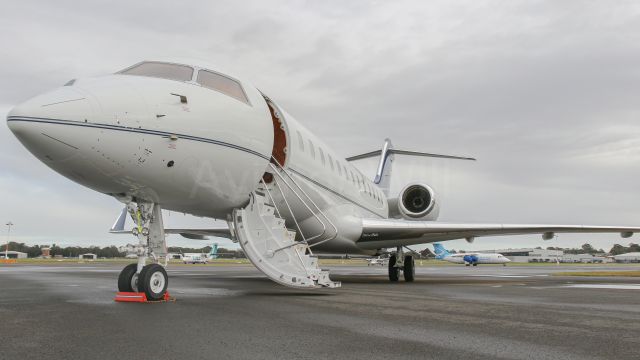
[[161, 70]]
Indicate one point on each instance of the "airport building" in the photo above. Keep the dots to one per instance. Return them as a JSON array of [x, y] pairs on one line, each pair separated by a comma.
[[88, 257], [632, 257], [531, 255], [583, 258], [13, 255], [129, 250]]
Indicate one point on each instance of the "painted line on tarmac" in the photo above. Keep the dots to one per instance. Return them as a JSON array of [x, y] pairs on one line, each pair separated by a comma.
[[605, 286]]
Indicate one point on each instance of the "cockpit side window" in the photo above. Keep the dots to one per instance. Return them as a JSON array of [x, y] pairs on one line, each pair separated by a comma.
[[222, 84], [161, 70]]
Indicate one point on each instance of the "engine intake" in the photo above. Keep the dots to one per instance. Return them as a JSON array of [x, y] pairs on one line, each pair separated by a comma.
[[418, 201]]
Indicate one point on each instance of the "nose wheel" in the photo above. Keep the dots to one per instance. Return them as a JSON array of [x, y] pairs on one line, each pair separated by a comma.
[[150, 279], [153, 281], [128, 278]]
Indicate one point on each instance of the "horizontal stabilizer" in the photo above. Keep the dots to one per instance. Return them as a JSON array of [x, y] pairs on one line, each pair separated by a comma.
[[406, 152]]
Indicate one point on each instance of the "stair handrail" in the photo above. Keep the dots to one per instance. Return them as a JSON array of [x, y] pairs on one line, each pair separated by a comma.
[[311, 201], [288, 207], [324, 228]]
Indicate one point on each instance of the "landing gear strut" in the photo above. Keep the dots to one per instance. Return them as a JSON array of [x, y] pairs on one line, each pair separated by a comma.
[[151, 279], [399, 262]]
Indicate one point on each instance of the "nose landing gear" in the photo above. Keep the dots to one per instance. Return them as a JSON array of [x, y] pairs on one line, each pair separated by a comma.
[[150, 279]]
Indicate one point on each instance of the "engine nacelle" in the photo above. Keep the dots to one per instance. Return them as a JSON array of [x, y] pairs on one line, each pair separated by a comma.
[[416, 201]]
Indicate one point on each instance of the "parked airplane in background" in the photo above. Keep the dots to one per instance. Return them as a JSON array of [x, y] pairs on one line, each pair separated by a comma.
[[469, 258], [194, 258], [202, 258], [183, 136], [378, 260]]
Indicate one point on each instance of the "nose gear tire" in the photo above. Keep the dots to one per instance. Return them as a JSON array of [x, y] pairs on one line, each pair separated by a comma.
[[128, 278], [153, 281]]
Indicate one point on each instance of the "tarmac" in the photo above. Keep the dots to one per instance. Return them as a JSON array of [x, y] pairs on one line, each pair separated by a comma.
[[66, 311]]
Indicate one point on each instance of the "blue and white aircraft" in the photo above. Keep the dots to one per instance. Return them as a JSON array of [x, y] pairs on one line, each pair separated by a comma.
[[469, 258]]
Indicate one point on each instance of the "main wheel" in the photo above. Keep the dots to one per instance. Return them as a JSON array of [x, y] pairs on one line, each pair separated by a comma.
[[128, 278], [475, 264], [409, 268], [153, 281], [394, 272]]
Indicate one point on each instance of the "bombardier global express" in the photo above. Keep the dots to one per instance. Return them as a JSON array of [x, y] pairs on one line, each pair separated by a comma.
[[184, 136]]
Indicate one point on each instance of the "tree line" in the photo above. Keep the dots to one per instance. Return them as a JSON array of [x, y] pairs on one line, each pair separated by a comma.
[[69, 251], [112, 251], [108, 252], [587, 248]]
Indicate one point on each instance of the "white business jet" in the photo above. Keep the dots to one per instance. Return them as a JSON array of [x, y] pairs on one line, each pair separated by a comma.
[[184, 136]]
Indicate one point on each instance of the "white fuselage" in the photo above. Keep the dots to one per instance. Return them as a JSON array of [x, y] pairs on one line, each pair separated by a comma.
[[477, 258], [134, 137]]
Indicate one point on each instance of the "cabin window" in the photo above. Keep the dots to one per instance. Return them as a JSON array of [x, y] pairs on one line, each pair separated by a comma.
[[223, 84], [312, 151], [300, 141], [161, 70]]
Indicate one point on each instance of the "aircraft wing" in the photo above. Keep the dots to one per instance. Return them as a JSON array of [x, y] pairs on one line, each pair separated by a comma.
[[194, 234], [378, 233], [201, 234]]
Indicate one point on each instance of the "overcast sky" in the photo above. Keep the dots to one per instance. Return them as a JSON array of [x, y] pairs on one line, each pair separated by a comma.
[[544, 93]]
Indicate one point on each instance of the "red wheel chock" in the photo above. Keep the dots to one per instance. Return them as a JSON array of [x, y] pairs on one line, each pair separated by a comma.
[[123, 296]]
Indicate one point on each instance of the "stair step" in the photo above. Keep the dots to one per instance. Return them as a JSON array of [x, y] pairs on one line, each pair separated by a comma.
[[266, 241]]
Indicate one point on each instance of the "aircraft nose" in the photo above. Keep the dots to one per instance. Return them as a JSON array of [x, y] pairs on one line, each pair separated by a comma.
[[36, 122]]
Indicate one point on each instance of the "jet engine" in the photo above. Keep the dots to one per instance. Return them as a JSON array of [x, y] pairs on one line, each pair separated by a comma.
[[416, 201]]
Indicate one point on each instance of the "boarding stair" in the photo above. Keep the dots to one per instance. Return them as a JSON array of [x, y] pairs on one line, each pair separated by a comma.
[[271, 247]]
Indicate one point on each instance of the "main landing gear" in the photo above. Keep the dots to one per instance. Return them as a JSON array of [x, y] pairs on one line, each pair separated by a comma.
[[150, 279], [399, 262]]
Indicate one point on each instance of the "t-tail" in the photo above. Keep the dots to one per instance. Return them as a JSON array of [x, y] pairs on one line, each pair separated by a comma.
[[440, 251], [386, 159]]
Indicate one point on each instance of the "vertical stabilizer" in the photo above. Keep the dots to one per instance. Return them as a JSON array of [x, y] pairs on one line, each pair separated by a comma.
[[383, 173], [213, 254], [440, 251]]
